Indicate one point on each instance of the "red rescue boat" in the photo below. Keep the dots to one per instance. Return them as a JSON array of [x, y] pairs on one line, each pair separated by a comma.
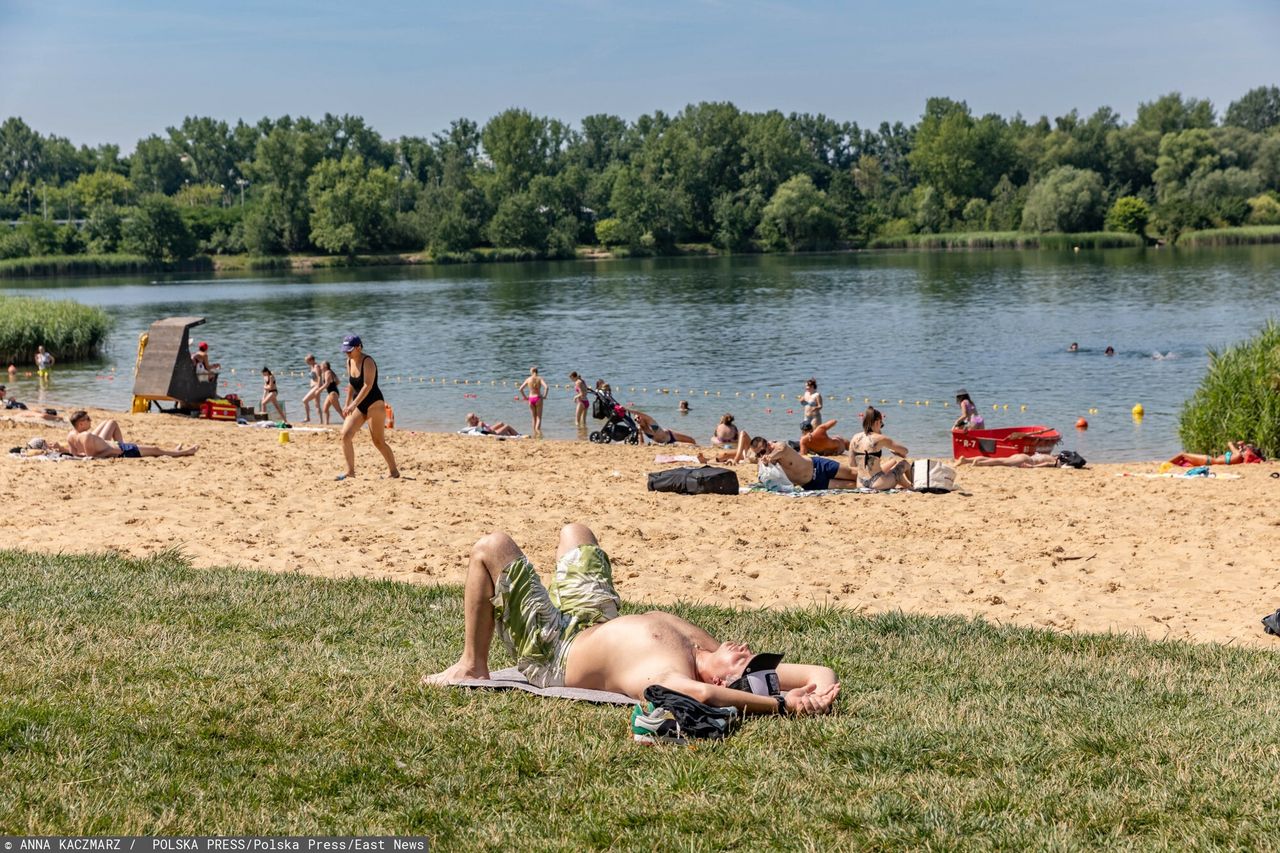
[[1004, 442]]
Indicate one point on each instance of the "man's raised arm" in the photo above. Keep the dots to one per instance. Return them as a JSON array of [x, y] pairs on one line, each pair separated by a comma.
[[808, 699]]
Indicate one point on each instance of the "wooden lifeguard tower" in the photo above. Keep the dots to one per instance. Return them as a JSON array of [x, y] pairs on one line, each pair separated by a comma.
[[165, 370]]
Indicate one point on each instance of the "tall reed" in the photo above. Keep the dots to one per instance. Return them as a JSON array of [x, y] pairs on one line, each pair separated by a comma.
[[1244, 235], [67, 329], [1010, 240], [1238, 399], [50, 265]]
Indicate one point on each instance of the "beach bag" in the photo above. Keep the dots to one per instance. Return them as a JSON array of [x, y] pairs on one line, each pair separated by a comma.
[[1070, 459], [931, 476], [599, 409], [706, 480]]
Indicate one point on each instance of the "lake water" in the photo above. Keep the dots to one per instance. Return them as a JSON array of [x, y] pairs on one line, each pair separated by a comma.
[[906, 329]]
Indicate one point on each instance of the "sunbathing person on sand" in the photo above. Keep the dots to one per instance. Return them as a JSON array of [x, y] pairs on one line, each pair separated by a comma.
[[500, 428], [658, 434], [818, 439], [740, 452], [107, 442], [1017, 460], [1238, 453], [866, 455], [572, 635], [811, 473]]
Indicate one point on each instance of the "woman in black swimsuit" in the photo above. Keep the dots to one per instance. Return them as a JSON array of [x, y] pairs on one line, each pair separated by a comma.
[[270, 393], [329, 395], [364, 404]]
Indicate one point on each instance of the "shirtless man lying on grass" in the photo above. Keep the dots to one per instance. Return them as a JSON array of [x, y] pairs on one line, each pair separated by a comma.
[[106, 441], [572, 635]]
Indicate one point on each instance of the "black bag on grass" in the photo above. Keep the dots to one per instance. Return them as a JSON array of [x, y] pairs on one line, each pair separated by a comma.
[[695, 481]]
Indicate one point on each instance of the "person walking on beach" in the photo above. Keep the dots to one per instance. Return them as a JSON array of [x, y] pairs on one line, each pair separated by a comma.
[[329, 393], [270, 393], [44, 361], [364, 404], [534, 391], [579, 399], [812, 403], [315, 391]]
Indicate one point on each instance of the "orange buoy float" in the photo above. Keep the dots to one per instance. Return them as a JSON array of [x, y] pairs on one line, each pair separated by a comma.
[[1082, 424], [391, 416]]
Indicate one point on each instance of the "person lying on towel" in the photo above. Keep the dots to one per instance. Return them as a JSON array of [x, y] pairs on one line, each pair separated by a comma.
[[106, 441], [811, 473], [571, 635]]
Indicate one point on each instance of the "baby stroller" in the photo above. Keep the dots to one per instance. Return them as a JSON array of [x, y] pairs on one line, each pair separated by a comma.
[[618, 424]]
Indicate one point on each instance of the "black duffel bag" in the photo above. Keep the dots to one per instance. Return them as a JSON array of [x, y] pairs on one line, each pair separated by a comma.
[[706, 480]]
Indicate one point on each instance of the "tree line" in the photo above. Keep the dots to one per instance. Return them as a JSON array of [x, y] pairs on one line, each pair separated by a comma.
[[710, 174]]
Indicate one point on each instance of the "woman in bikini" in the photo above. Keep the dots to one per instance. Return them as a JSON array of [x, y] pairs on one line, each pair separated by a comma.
[[270, 393], [315, 391], [364, 405], [330, 393], [726, 434], [866, 456], [969, 417], [658, 434], [1238, 453], [534, 391], [579, 399], [812, 402]]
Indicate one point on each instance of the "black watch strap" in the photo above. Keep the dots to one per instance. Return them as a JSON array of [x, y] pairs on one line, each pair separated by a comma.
[[782, 703]]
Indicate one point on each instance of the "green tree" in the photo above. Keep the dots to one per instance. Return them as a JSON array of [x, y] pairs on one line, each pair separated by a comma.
[[155, 229], [519, 222], [961, 157], [522, 146], [1183, 156], [1128, 214], [282, 164], [1007, 200], [21, 154], [351, 205], [930, 210], [102, 228], [98, 188], [1257, 110], [1172, 113], [1068, 199], [156, 166], [798, 217], [653, 215], [1264, 210]]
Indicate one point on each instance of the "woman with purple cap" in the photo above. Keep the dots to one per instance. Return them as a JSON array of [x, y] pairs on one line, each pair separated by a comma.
[[364, 404]]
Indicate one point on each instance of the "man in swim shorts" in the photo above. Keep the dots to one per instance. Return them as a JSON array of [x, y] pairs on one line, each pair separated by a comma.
[[571, 634], [106, 441], [811, 473]]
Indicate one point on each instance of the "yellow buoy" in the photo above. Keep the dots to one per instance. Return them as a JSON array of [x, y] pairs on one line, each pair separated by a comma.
[[1138, 411]]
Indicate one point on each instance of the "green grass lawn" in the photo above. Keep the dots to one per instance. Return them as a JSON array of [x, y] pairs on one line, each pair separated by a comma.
[[148, 697]]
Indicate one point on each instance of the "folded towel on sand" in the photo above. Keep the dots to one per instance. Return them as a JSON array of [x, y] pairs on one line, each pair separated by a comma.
[[665, 458], [511, 679], [48, 456]]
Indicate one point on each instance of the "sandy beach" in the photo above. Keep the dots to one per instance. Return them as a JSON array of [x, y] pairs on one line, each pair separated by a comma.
[[1087, 550]]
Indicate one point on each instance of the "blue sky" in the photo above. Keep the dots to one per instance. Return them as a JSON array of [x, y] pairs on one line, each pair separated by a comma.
[[101, 71]]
